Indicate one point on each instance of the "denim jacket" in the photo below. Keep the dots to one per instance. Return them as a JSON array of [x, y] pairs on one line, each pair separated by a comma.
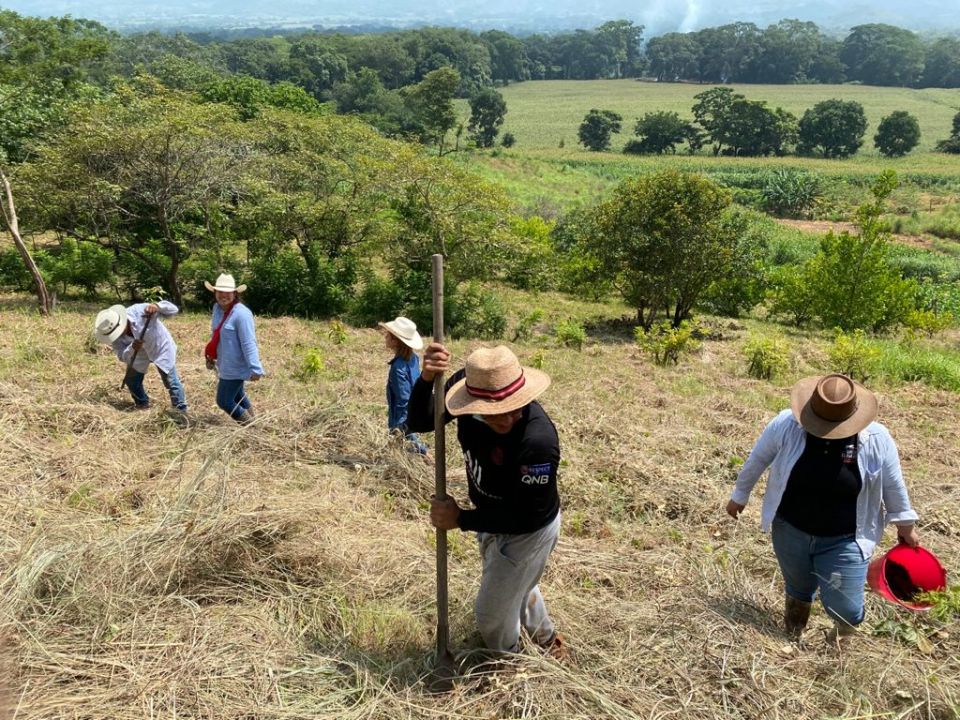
[[400, 381], [883, 496]]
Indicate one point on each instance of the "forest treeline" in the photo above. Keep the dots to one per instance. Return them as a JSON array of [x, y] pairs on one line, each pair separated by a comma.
[[790, 51]]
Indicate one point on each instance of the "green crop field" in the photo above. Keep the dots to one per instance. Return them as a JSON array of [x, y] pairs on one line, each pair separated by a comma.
[[542, 113], [543, 176]]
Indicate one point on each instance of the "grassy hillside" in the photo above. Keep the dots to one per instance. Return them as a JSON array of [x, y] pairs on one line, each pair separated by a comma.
[[542, 113], [285, 570]]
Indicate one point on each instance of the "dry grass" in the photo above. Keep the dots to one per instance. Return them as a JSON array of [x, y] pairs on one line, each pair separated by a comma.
[[285, 570]]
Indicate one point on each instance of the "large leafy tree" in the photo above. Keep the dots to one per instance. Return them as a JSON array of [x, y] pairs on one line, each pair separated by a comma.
[[151, 178], [738, 126], [897, 134], [878, 54], [942, 66], [662, 240], [487, 110], [832, 128], [673, 56], [660, 132], [430, 103]]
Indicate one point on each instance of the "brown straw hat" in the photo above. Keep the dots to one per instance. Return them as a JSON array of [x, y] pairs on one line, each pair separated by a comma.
[[832, 406], [495, 383]]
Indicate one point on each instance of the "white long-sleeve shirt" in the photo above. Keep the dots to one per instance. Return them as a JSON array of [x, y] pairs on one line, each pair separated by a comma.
[[158, 345], [883, 495]]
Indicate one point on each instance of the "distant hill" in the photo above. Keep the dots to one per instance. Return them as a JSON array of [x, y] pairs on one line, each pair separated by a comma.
[[658, 16]]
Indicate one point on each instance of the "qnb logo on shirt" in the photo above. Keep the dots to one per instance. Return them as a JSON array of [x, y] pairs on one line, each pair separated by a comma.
[[535, 474]]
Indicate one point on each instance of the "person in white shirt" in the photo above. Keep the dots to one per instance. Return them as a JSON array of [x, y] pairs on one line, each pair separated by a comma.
[[835, 483], [123, 329]]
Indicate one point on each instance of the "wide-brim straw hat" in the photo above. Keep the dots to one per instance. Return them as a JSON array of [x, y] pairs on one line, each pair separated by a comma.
[[495, 383], [832, 406], [110, 324], [225, 283], [404, 330]]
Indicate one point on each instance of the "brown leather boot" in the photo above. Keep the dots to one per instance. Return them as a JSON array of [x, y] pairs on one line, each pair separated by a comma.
[[795, 616]]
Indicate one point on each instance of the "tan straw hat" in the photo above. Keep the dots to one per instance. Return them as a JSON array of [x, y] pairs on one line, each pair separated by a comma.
[[225, 283], [405, 330], [110, 324], [832, 406], [495, 383]]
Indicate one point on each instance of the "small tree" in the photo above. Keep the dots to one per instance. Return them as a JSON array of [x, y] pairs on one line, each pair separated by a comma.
[[9, 212], [951, 144], [851, 279], [487, 109], [596, 128], [832, 128], [431, 103], [663, 240], [660, 132], [897, 134]]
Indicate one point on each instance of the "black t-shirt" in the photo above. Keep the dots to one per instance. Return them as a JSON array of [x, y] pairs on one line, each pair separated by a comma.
[[512, 478], [821, 493]]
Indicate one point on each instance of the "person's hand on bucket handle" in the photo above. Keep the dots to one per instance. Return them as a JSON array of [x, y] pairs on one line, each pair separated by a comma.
[[734, 509], [444, 514], [436, 359], [908, 535]]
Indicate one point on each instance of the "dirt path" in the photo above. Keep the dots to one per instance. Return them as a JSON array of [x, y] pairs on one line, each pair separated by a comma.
[[824, 226]]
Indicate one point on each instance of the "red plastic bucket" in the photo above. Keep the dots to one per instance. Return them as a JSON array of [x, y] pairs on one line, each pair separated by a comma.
[[903, 572]]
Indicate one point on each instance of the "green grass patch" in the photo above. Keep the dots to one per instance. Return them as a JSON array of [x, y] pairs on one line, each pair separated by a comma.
[[898, 361]]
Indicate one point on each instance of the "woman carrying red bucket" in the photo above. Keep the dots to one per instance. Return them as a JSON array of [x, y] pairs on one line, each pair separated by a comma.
[[835, 483]]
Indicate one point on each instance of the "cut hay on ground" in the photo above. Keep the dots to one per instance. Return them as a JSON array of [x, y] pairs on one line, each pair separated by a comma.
[[285, 570]]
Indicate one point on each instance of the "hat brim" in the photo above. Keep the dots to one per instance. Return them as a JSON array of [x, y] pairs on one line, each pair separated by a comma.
[[110, 338], [461, 402], [214, 288], [800, 396], [415, 343]]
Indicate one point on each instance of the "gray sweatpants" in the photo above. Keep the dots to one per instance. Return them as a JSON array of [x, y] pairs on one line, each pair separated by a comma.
[[509, 596]]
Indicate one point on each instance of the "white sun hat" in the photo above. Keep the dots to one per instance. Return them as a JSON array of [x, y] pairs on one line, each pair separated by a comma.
[[225, 283], [405, 330], [110, 324]]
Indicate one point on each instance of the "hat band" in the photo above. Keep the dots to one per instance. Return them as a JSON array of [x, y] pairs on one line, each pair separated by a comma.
[[500, 394], [833, 412], [115, 326]]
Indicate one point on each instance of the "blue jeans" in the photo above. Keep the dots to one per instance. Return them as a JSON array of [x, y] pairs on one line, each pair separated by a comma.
[[834, 565], [231, 398], [171, 381]]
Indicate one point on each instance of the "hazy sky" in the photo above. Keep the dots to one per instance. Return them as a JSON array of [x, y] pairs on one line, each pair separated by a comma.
[[658, 16]]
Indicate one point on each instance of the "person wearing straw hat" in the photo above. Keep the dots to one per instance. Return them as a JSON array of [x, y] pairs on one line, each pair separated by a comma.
[[232, 348], [512, 454], [402, 339], [835, 482], [133, 338]]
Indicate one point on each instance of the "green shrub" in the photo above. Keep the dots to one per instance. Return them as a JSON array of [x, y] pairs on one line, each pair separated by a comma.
[[379, 299], [508, 140], [82, 265], [283, 284], [526, 325], [570, 333], [767, 357], [666, 343], [852, 355], [13, 273], [790, 295], [476, 313], [928, 322], [791, 193], [311, 365]]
